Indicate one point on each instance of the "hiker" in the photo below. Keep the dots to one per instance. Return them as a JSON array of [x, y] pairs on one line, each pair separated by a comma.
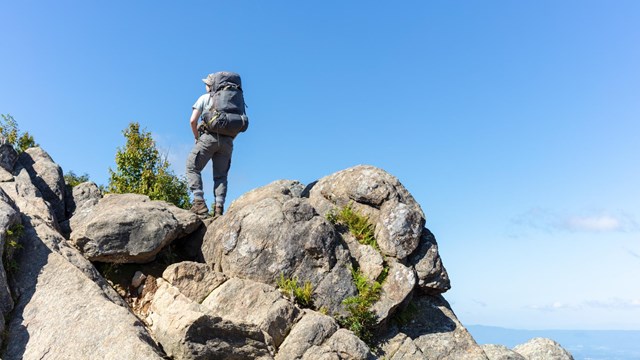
[[223, 116]]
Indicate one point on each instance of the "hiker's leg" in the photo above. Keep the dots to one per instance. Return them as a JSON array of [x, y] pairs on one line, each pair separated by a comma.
[[196, 161], [221, 165]]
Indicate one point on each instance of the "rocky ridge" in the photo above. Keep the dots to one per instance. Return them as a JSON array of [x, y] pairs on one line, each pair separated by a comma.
[[220, 298]]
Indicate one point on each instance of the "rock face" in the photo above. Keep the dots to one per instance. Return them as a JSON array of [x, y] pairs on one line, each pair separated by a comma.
[[260, 305], [541, 348], [194, 280], [432, 276], [397, 218], [82, 196], [47, 176], [313, 329], [187, 331], [9, 219], [64, 307], [55, 304], [432, 331], [8, 157], [129, 228], [272, 231], [500, 352]]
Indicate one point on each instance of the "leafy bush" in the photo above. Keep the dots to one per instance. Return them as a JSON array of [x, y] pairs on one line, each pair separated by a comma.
[[72, 179], [299, 294], [358, 225], [11, 245], [140, 169], [11, 134]]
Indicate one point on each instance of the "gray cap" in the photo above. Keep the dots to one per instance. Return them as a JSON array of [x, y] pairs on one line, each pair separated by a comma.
[[209, 79]]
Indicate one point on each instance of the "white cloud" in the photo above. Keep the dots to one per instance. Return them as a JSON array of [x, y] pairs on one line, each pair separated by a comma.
[[615, 303], [557, 305], [609, 304], [598, 223], [593, 222]]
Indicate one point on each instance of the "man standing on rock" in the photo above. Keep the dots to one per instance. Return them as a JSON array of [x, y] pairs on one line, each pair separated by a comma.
[[223, 116]]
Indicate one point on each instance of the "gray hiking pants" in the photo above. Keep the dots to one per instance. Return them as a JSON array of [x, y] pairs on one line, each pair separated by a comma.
[[210, 147]]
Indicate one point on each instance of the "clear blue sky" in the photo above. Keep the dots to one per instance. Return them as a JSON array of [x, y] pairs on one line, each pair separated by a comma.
[[515, 124]]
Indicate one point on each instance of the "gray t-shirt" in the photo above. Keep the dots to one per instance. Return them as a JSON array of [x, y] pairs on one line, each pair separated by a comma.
[[203, 104]]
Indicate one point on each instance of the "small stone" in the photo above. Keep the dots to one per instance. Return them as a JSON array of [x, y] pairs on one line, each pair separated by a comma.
[[138, 279]]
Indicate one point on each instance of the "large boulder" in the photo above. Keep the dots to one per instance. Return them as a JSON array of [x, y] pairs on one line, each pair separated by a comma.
[[431, 332], [542, 349], [194, 280], [501, 352], [432, 276], [396, 216], [8, 157], [79, 198], [370, 262], [250, 302], [272, 232], [129, 228], [312, 329], [343, 344], [82, 196], [396, 290], [317, 336], [5, 176], [186, 331], [47, 176]]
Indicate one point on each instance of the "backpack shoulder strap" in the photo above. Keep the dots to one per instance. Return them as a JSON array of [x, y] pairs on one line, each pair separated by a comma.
[[213, 103]]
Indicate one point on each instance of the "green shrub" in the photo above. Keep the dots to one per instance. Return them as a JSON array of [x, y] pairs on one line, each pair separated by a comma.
[[361, 320], [11, 245], [358, 225], [140, 169], [299, 294], [13, 136], [72, 179]]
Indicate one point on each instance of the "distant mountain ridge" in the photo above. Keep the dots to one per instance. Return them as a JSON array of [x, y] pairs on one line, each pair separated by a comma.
[[583, 344]]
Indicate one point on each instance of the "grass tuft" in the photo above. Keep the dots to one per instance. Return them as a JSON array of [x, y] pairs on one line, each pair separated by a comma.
[[11, 246], [361, 320], [358, 225], [301, 295]]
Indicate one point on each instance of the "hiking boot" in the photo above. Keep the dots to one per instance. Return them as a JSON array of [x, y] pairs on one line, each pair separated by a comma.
[[199, 208], [219, 209]]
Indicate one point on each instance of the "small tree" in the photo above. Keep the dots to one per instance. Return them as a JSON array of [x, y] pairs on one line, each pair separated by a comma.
[[72, 179], [140, 169], [10, 134]]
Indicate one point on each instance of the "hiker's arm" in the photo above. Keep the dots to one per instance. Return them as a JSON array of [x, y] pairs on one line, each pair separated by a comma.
[[194, 123]]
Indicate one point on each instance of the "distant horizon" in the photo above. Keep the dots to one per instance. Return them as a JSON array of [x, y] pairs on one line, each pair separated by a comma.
[[582, 344], [520, 329]]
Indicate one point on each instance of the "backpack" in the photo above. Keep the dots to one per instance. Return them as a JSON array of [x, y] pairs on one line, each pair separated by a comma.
[[227, 114]]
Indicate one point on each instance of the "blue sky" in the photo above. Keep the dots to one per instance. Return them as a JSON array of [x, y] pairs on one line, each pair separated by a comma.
[[514, 124]]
